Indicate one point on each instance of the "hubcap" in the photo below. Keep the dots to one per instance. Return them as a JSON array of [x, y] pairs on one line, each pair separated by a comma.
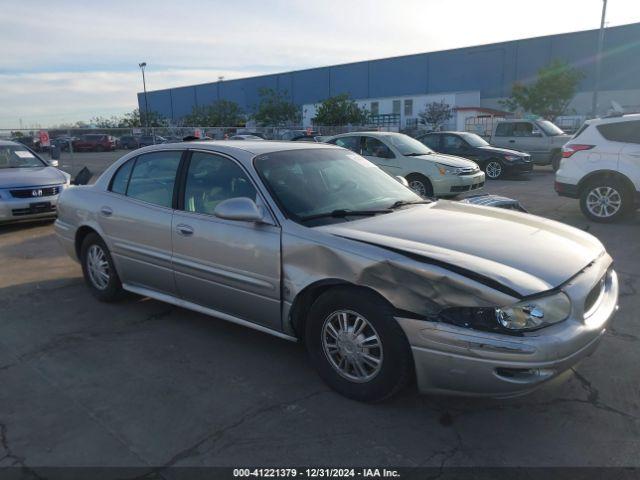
[[418, 187], [352, 346], [603, 202], [98, 267], [494, 169]]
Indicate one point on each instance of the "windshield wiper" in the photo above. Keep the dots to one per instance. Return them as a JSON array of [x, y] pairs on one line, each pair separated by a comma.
[[341, 213], [402, 203], [416, 154]]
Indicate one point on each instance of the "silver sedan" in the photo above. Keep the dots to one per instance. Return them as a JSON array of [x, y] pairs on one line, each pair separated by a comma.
[[29, 186], [313, 243]]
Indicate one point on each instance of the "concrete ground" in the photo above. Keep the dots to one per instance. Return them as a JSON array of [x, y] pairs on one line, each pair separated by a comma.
[[142, 383]]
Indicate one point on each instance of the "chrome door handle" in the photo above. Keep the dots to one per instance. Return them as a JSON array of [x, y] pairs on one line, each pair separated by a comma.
[[185, 230], [106, 211]]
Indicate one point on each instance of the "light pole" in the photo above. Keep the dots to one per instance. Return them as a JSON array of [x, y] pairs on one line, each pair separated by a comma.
[[146, 103], [596, 86]]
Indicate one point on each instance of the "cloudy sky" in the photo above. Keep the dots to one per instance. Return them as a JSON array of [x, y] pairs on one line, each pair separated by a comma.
[[70, 60]]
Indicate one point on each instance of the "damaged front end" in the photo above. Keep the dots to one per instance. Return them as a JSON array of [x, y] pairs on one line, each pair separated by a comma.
[[469, 333]]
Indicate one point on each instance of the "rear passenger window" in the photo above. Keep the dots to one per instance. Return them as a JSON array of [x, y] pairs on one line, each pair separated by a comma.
[[351, 143], [504, 130], [431, 141], [626, 132], [120, 180], [153, 178], [212, 179]]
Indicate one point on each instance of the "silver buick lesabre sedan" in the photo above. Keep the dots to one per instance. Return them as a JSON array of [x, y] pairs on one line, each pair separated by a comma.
[[29, 186], [312, 242]]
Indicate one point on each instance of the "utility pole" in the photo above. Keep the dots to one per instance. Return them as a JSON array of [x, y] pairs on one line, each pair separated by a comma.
[[146, 103], [596, 86]]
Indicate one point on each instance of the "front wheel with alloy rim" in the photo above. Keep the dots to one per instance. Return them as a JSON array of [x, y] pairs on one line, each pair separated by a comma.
[[493, 169], [605, 201], [99, 270], [357, 346], [420, 184]]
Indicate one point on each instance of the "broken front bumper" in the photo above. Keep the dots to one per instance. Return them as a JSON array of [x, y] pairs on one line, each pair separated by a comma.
[[456, 360]]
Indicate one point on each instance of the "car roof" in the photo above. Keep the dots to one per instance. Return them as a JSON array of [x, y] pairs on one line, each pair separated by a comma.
[[10, 142], [614, 119], [370, 133], [243, 152], [255, 147]]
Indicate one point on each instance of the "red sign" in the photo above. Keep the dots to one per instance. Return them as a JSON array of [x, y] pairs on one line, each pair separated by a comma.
[[44, 138]]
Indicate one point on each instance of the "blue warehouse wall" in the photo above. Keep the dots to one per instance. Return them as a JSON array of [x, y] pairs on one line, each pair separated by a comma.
[[489, 69]]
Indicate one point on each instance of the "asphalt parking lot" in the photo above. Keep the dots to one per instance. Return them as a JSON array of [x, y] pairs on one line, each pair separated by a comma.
[[141, 383]]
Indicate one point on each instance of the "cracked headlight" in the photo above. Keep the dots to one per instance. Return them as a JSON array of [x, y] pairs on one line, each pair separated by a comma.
[[534, 313], [529, 314]]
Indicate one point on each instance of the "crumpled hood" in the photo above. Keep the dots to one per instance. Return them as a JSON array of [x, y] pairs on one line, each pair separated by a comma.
[[525, 253], [30, 177]]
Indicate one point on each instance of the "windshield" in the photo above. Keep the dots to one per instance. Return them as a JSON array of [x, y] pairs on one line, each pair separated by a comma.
[[407, 145], [474, 140], [549, 128], [15, 156], [321, 181]]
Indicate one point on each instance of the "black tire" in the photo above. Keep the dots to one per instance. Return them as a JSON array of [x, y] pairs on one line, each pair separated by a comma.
[[493, 169], [421, 184], [396, 365], [112, 291], [618, 193], [556, 157]]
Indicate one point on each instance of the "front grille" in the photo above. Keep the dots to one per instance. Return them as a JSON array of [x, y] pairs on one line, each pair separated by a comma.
[[466, 188], [35, 192], [594, 296], [468, 170], [33, 210]]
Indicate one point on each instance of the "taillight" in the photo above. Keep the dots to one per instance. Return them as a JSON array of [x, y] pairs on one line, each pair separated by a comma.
[[569, 150]]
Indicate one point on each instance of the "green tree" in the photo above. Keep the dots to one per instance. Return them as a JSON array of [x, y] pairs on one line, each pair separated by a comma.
[[133, 119], [549, 96], [275, 109], [105, 122], [221, 113], [436, 114], [340, 110]]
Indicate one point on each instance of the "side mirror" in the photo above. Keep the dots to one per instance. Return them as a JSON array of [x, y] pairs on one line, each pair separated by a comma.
[[53, 163], [402, 180], [241, 208]]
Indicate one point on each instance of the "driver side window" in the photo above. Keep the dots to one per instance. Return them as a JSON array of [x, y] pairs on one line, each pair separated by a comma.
[[375, 148], [453, 142], [212, 179]]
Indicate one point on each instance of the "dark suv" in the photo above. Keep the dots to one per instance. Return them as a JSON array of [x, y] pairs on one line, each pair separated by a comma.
[[495, 162], [94, 142]]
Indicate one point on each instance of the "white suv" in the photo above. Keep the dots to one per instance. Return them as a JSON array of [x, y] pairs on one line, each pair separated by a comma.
[[601, 166]]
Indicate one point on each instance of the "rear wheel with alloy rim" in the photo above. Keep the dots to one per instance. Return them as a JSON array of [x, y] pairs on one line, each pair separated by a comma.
[[99, 270], [420, 184], [605, 201], [493, 169], [357, 346]]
